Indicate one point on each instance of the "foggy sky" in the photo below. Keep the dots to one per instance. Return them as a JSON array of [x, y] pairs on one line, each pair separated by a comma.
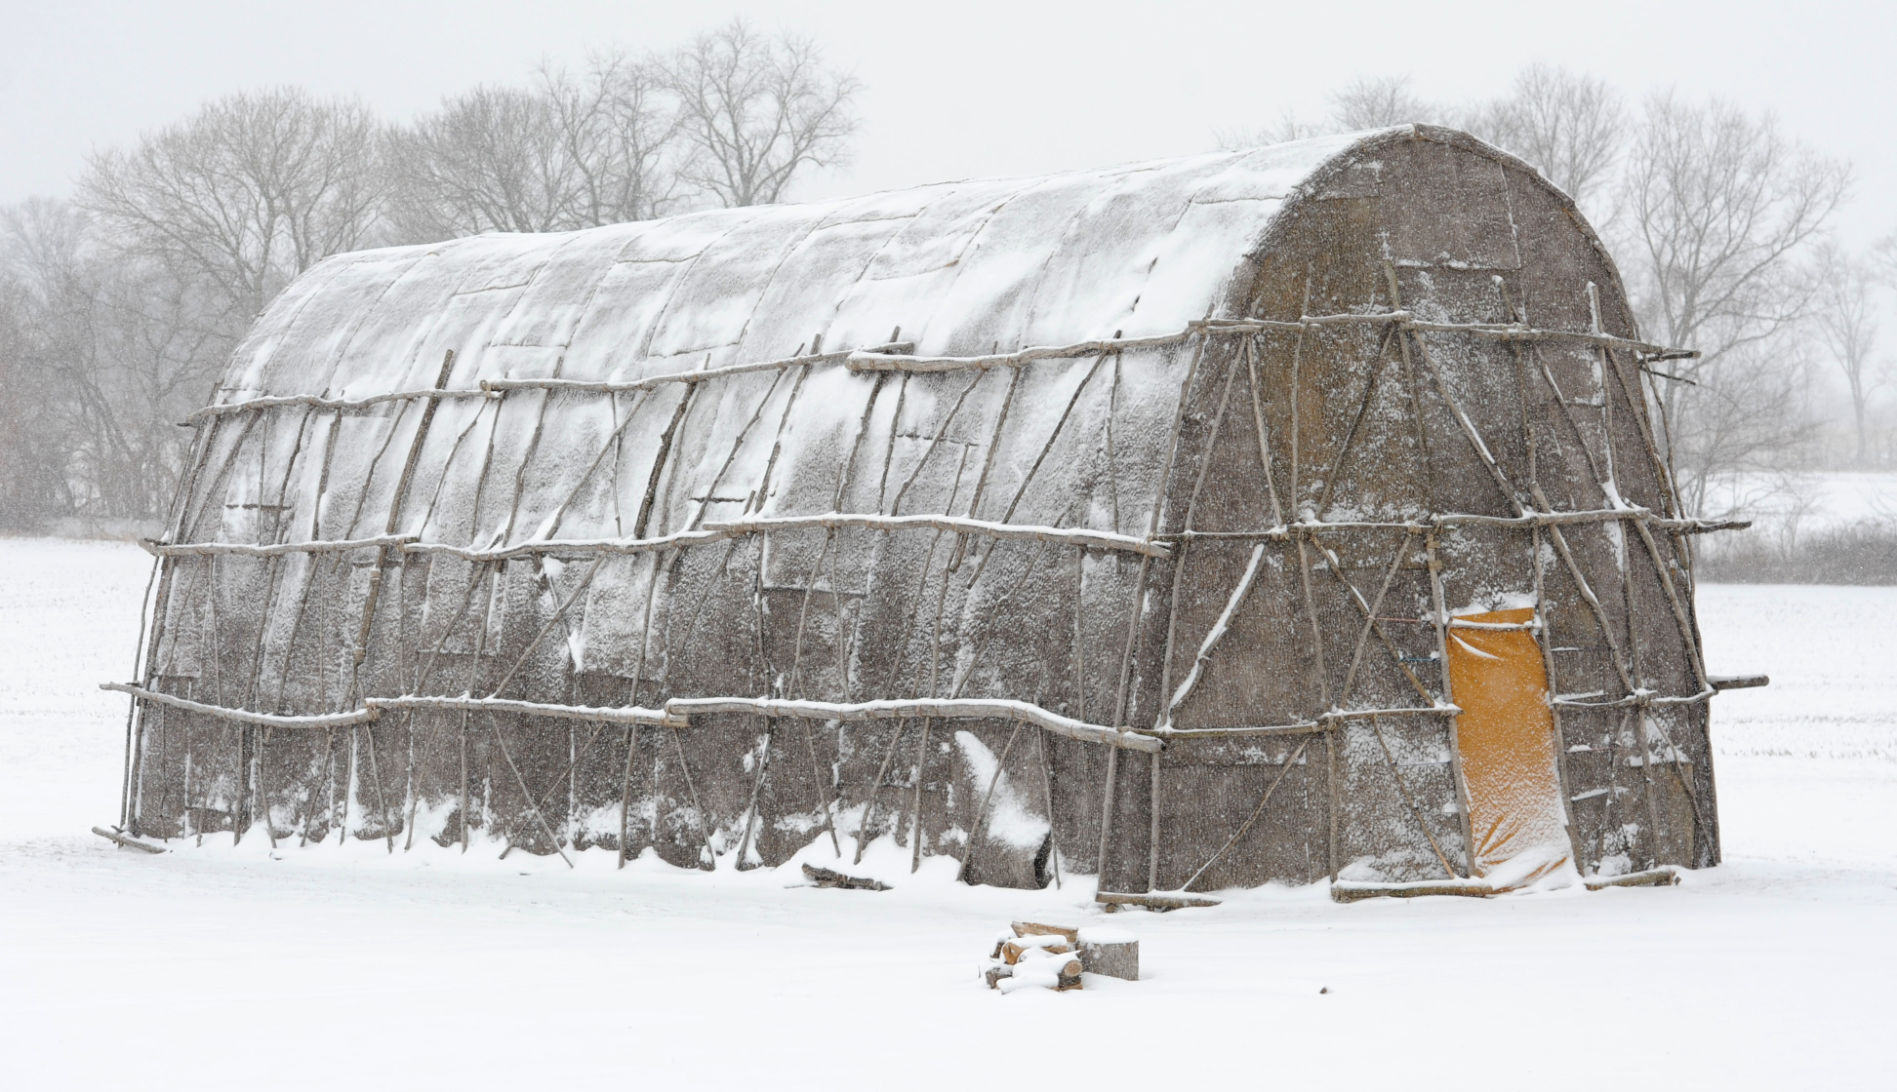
[[959, 89]]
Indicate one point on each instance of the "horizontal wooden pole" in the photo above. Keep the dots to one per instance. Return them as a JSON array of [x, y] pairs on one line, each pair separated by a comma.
[[872, 360], [1155, 546], [275, 549], [713, 532], [1644, 697], [1323, 722], [319, 402], [1153, 900], [373, 708], [610, 714], [584, 386], [573, 547], [244, 716], [677, 712], [1664, 876], [1070, 536], [944, 708], [1356, 891], [1739, 682], [126, 841], [1287, 531]]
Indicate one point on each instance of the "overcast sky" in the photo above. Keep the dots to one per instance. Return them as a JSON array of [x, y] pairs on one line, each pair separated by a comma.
[[973, 87]]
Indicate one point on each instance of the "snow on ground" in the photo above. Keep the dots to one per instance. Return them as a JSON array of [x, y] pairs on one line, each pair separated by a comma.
[[1817, 501], [213, 967]]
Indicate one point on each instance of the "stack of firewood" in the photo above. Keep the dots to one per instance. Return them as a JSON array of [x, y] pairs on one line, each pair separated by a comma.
[[1053, 956]]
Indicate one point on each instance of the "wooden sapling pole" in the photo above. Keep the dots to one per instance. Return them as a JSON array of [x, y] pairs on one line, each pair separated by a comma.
[[1179, 564], [1249, 352], [846, 635], [987, 463], [526, 794], [216, 633], [1320, 671], [1060, 424], [1607, 370], [889, 450], [915, 821], [1437, 600], [1689, 635], [632, 731], [1544, 640], [1468, 429], [1263, 800], [1434, 568], [895, 505], [976, 827], [866, 829], [1415, 812], [1663, 876], [1331, 791], [1115, 900], [1475, 887], [922, 584], [1133, 624], [1216, 634], [1047, 799], [117, 837], [261, 739], [757, 790], [146, 652], [1356, 423], [488, 575], [1370, 615]]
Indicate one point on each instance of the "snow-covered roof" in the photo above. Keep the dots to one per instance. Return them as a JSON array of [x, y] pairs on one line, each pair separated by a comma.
[[960, 267]]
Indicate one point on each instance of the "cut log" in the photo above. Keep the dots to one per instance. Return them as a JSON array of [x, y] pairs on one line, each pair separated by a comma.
[[127, 842], [824, 877], [1116, 900], [1348, 891], [1013, 951], [1035, 928], [1664, 876], [1111, 953]]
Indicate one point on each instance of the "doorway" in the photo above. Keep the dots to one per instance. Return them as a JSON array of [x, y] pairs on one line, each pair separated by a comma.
[[1505, 746]]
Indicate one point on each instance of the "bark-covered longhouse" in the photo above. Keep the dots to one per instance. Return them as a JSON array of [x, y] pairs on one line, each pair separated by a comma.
[[1140, 522]]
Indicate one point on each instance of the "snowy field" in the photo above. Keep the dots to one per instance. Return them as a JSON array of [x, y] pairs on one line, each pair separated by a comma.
[[214, 968]]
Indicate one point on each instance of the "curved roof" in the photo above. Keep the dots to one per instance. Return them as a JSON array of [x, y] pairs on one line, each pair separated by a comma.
[[961, 267]]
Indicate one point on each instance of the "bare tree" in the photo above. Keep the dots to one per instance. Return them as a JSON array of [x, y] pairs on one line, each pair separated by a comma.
[[756, 112], [618, 131], [1287, 128], [571, 151], [1568, 125], [113, 349], [1721, 209], [1375, 102], [491, 159], [1884, 259], [248, 192], [1846, 319], [33, 484]]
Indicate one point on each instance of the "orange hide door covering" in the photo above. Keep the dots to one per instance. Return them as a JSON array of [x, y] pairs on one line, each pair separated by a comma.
[[1505, 743]]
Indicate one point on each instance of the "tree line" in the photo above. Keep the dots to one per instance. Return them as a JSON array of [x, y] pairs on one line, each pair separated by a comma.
[[120, 305]]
